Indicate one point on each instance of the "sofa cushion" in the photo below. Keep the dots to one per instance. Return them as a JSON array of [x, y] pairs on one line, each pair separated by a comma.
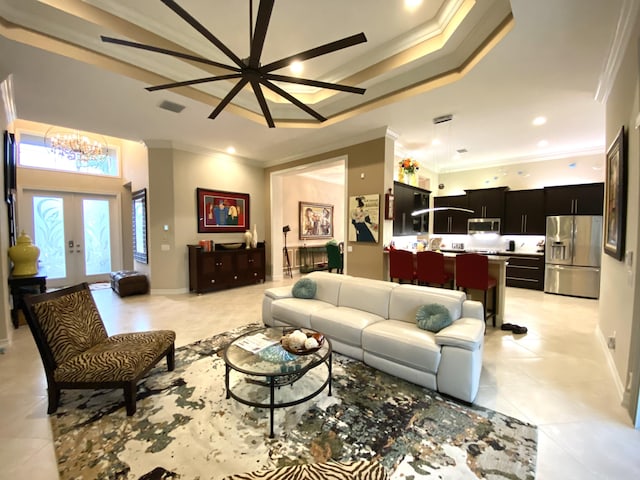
[[343, 323], [403, 343], [304, 288], [327, 286], [367, 295], [433, 317], [406, 299], [296, 311]]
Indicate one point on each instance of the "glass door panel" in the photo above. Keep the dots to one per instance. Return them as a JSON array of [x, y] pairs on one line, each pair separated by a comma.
[[97, 236], [48, 223], [76, 233]]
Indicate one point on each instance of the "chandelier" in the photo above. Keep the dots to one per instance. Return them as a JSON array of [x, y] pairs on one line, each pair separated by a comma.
[[77, 146]]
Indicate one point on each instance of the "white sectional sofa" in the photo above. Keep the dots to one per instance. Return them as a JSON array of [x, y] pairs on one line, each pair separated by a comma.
[[375, 322]]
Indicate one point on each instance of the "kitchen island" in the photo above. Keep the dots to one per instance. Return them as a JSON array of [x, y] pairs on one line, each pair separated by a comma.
[[497, 270]]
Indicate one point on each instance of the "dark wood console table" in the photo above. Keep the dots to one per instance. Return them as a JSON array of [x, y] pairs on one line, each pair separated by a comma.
[[20, 285]]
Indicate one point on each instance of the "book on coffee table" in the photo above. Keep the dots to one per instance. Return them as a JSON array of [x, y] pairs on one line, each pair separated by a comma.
[[256, 343]]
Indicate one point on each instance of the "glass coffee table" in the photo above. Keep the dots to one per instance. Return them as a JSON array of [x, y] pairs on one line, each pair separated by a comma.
[[257, 360]]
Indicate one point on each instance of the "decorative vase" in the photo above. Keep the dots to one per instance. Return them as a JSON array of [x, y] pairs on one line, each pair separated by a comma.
[[24, 256], [248, 238], [254, 241], [401, 175]]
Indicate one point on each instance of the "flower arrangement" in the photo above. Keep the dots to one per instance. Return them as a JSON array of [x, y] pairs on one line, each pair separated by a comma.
[[408, 165]]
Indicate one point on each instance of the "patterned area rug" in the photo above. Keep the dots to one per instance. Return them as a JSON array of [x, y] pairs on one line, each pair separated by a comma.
[[185, 428], [359, 470]]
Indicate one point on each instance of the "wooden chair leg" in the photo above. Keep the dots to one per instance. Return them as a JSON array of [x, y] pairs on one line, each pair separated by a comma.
[[495, 305], [171, 358], [53, 394], [130, 398]]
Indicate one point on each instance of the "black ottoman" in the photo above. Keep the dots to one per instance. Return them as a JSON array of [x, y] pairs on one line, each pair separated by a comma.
[[129, 282]]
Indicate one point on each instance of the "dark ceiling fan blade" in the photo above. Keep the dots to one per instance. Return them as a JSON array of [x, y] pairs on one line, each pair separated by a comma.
[[193, 82], [173, 53], [186, 16], [292, 99], [225, 101], [260, 32], [316, 52], [255, 84], [315, 83]]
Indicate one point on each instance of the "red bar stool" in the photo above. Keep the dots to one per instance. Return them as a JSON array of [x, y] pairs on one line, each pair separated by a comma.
[[472, 271], [431, 269], [401, 266]]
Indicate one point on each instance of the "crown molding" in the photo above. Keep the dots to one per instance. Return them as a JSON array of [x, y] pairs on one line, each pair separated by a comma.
[[617, 49]]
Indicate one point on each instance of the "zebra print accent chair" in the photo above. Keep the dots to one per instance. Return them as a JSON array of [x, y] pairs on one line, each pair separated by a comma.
[[77, 352]]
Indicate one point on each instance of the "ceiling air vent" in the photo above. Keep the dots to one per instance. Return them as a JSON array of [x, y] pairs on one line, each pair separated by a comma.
[[172, 107], [443, 119]]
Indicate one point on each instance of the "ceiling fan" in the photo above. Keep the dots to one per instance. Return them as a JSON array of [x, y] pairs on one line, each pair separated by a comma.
[[249, 70]]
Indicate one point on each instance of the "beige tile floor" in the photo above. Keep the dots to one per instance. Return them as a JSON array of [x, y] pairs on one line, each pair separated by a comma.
[[556, 377]]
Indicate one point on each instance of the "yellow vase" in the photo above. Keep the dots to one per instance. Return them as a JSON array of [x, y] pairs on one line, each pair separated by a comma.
[[401, 175], [24, 256]]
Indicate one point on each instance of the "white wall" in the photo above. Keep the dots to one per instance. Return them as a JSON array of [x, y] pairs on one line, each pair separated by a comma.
[[174, 176], [522, 176], [620, 295], [302, 189]]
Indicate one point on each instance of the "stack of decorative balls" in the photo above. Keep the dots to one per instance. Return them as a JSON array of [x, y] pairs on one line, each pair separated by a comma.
[[298, 340]]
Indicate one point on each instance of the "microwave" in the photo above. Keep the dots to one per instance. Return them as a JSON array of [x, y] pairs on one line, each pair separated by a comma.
[[483, 225]]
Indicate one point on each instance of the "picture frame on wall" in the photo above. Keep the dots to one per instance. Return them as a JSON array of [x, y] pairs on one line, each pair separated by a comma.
[[615, 204], [364, 212], [222, 212], [315, 221], [139, 224], [9, 166]]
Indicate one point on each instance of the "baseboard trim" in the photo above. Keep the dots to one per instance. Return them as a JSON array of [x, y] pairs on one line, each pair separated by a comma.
[[611, 363], [168, 291]]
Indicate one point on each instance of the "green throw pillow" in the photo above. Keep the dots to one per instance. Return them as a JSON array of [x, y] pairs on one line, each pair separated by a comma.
[[433, 317], [304, 288]]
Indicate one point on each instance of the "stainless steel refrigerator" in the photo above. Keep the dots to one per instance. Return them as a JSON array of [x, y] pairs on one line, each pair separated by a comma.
[[572, 256]]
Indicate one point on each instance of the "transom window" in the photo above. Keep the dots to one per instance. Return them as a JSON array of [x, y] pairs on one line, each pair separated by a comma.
[[34, 153]]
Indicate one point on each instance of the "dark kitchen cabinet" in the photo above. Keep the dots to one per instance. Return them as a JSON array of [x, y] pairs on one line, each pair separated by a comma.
[[526, 271], [524, 212], [584, 199], [408, 199], [487, 202], [450, 221], [224, 268]]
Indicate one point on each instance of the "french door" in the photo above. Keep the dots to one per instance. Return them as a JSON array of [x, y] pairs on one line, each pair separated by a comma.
[[77, 234]]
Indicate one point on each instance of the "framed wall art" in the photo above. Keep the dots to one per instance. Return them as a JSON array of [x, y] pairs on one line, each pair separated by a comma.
[[316, 220], [615, 202], [222, 212], [364, 212], [9, 166], [139, 224]]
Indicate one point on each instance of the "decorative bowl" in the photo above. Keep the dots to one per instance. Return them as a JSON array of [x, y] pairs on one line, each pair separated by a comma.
[[284, 341], [230, 246]]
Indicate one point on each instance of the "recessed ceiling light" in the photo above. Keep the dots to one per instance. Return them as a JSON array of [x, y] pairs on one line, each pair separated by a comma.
[[435, 142], [539, 121], [412, 4], [543, 143], [296, 67], [231, 150]]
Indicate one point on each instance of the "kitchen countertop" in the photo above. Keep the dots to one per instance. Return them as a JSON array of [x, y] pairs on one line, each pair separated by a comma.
[[497, 253]]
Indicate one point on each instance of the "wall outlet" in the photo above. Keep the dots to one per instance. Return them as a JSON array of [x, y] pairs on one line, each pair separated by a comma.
[[611, 342]]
